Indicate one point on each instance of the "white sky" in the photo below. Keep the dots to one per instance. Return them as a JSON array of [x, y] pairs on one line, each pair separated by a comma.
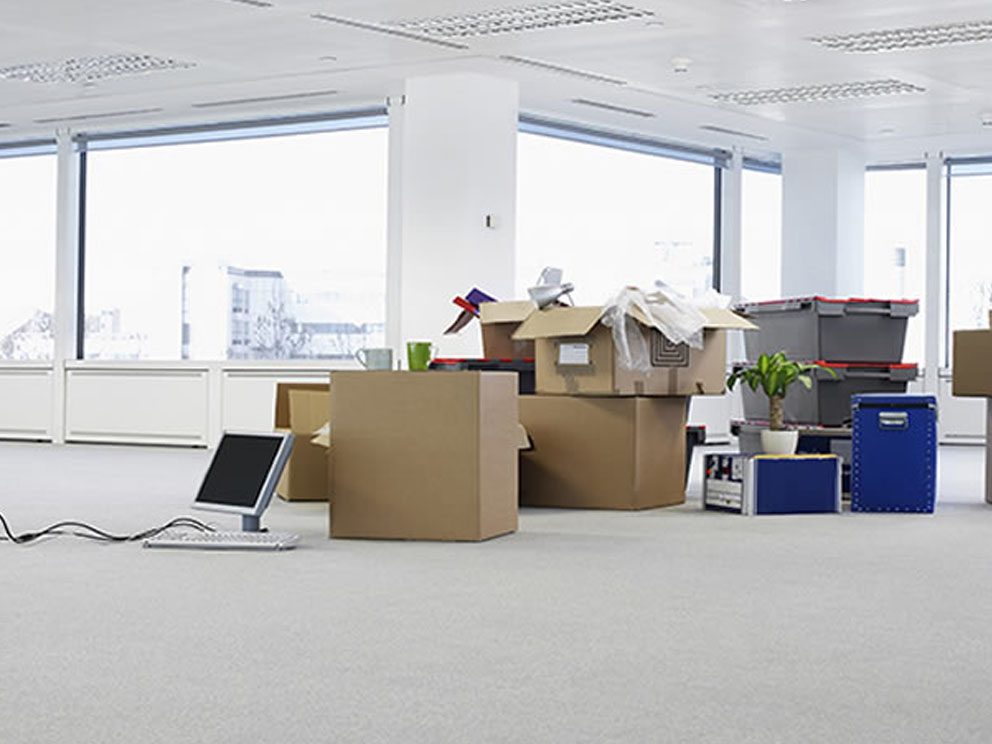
[[312, 206], [27, 238], [610, 218]]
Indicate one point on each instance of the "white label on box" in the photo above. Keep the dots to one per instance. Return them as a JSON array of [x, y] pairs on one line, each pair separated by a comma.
[[573, 354]]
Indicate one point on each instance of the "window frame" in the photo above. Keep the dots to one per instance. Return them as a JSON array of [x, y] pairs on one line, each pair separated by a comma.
[[286, 126], [717, 158]]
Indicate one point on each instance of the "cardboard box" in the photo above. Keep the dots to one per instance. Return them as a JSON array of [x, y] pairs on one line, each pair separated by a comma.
[[575, 355], [424, 456], [972, 363], [303, 409], [603, 453], [499, 321]]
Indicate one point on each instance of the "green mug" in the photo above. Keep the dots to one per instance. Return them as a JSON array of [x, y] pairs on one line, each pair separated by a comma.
[[418, 355]]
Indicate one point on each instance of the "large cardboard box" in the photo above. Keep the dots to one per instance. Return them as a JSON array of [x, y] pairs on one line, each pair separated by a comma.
[[424, 456], [499, 321], [303, 409], [603, 453], [575, 355], [972, 363]]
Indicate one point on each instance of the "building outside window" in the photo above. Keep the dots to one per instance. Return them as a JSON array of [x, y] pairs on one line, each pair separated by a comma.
[[268, 247], [27, 245], [611, 218]]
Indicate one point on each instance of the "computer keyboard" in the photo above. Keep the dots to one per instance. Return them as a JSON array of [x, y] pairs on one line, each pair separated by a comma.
[[224, 540]]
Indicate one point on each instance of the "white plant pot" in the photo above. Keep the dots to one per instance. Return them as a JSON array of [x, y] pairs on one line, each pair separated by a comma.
[[779, 442]]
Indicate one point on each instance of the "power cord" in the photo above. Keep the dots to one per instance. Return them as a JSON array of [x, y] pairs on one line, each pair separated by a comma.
[[89, 532]]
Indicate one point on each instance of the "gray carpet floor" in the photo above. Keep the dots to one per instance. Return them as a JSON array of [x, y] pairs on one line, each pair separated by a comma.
[[672, 625]]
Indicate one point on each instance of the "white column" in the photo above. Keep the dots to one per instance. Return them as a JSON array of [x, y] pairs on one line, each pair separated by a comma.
[[66, 273], [730, 231], [823, 218], [934, 272], [452, 189]]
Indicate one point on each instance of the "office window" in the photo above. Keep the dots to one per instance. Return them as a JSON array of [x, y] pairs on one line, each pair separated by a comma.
[[27, 249], [969, 270], [895, 244], [761, 235], [260, 248], [611, 217]]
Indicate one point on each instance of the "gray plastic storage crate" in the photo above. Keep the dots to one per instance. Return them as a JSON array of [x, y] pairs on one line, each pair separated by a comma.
[[831, 330], [829, 401]]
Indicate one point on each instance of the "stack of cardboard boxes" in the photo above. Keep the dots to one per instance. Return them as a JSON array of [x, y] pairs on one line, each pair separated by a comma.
[[415, 455], [604, 436]]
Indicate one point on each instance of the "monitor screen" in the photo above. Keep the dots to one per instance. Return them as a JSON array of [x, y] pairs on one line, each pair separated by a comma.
[[238, 473]]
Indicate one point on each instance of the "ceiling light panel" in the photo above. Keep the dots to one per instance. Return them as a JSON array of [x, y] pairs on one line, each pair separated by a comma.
[[809, 93], [613, 107], [917, 37], [524, 18], [90, 69], [559, 69]]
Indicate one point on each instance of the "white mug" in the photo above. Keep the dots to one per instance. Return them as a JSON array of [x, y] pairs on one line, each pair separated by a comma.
[[375, 358]]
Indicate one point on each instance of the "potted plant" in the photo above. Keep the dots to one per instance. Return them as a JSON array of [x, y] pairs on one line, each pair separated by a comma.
[[773, 375]]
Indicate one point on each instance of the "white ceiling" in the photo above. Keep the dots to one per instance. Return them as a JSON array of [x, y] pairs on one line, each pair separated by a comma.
[[241, 51]]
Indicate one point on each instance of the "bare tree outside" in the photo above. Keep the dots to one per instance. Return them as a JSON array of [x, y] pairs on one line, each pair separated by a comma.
[[277, 335]]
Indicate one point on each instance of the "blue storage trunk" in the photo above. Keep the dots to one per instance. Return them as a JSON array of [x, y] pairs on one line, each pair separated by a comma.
[[894, 453]]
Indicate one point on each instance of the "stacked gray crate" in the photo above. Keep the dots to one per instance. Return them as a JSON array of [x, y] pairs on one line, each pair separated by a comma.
[[860, 340]]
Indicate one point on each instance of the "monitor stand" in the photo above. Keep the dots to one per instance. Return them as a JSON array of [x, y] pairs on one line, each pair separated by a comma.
[[251, 523]]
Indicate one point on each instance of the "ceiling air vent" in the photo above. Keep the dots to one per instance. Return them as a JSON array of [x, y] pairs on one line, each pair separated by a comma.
[[105, 115], [572, 72], [379, 29], [916, 37], [612, 107], [265, 99], [826, 92], [89, 69], [524, 18], [734, 132]]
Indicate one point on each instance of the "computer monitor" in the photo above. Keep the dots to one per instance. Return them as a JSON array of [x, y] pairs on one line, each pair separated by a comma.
[[243, 474]]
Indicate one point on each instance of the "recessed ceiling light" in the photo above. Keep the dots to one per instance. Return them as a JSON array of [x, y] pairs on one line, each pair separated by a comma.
[[524, 18], [734, 132], [379, 29], [916, 37], [88, 69], [265, 99], [613, 107], [104, 115], [826, 92], [570, 71]]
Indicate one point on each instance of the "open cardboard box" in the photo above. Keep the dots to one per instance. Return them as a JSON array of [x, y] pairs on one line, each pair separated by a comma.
[[303, 409], [499, 321], [575, 355]]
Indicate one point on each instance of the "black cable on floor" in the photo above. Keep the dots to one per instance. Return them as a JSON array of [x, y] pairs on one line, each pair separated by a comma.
[[73, 528]]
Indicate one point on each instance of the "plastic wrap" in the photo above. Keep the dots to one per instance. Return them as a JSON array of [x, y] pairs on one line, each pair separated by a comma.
[[679, 319]]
